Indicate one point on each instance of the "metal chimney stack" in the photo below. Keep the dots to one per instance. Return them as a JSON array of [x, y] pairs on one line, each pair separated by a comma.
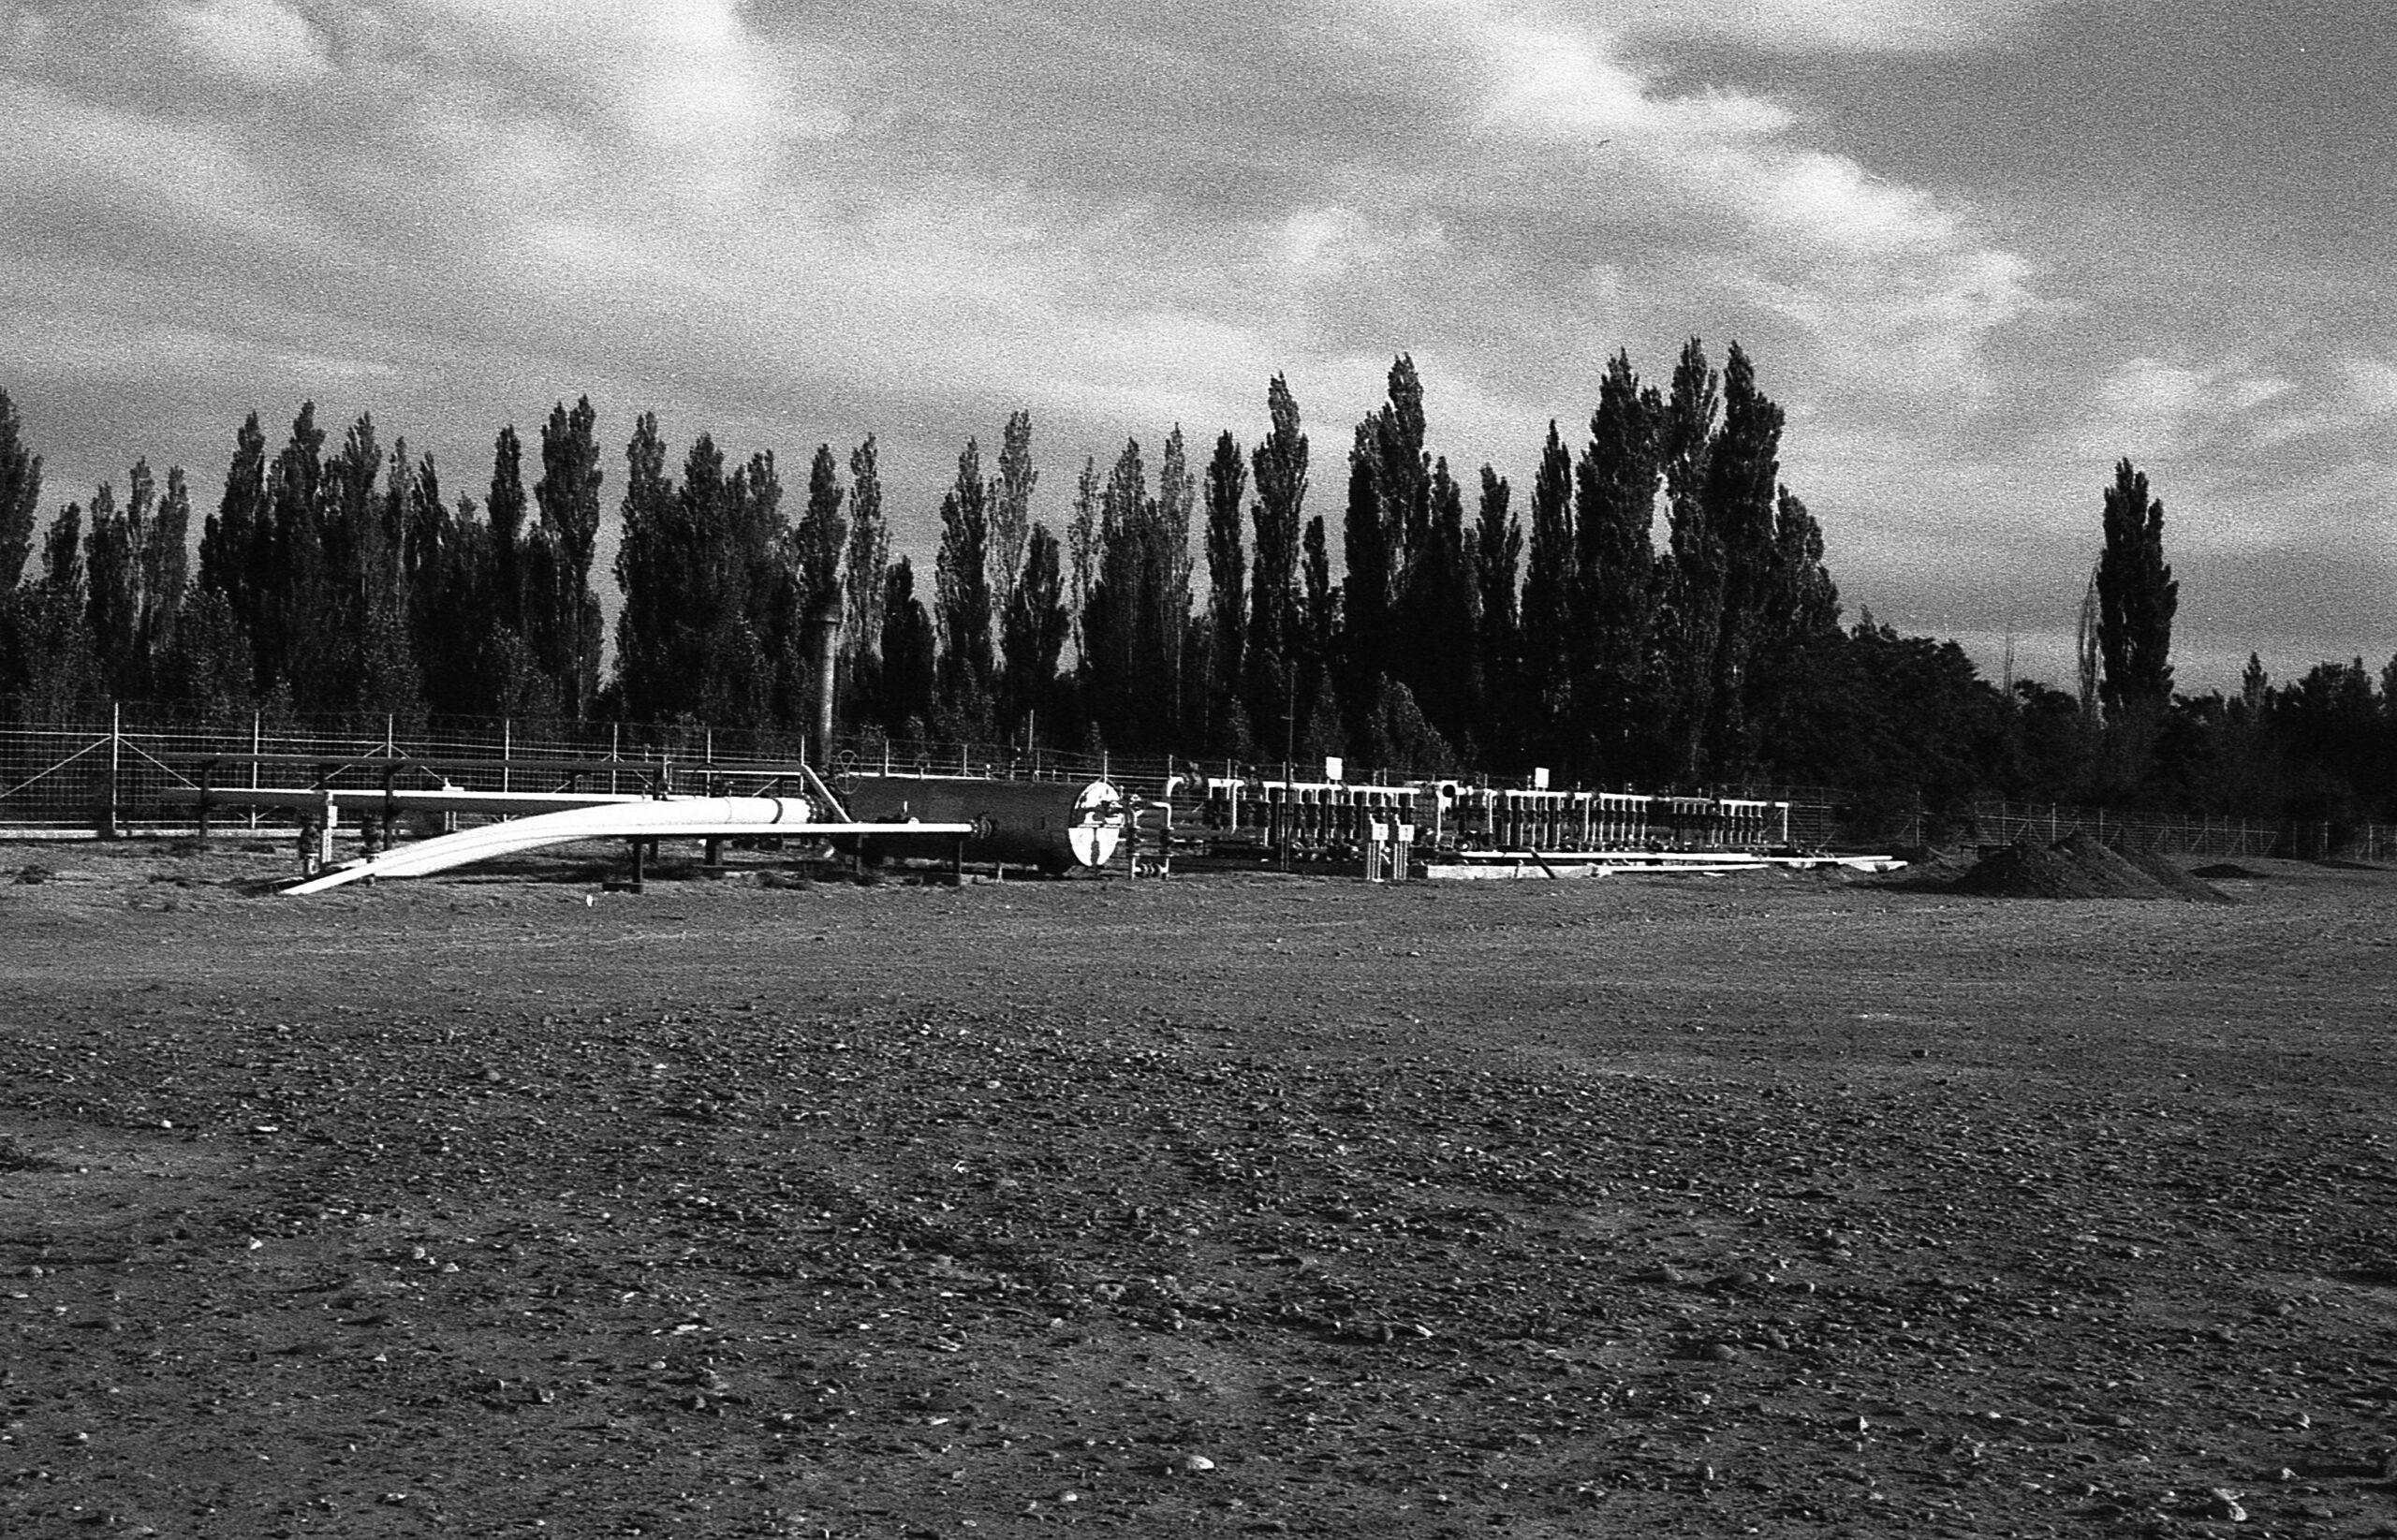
[[824, 637]]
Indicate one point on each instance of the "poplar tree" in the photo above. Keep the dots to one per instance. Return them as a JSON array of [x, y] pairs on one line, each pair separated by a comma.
[[166, 569], [55, 668], [1082, 552], [2137, 596], [524, 648], [961, 586], [1011, 532], [1274, 594], [207, 668], [370, 671], [1137, 615], [1805, 599], [1499, 722], [1616, 581], [62, 555], [568, 495], [1434, 626], [652, 563], [1319, 720], [228, 537], [1692, 618], [822, 541], [866, 580], [453, 598], [289, 566], [1011, 501], [715, 662], [910, 655], [231, 541], [763, 653], [19, 497], [1548, 613], [112, 585], [1121, 665], [329, 620], [505, 510], [1035, 627], [1742, 472], [1390, 514], [1227, 618], [2087, 657], [1176, 506]]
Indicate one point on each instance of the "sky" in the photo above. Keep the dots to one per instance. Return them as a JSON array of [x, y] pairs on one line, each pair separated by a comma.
[[1979, 250]]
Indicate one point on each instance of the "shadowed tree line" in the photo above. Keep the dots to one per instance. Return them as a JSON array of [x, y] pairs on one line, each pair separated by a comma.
[[1654, 610]]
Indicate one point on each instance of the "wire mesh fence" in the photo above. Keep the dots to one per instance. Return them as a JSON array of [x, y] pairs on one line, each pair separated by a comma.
[[124, 768], [2182, 834], [127, 769]]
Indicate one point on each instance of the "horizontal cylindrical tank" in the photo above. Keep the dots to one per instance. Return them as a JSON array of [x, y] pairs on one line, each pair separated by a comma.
[[1053, 825]]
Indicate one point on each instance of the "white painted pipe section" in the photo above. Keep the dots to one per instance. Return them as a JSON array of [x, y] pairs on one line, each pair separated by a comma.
[[680, 817]]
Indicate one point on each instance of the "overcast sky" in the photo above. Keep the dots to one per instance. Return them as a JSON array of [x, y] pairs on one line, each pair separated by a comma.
[[1978, 249]]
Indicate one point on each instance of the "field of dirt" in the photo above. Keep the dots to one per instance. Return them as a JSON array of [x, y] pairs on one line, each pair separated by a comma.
[[1781, 1205]]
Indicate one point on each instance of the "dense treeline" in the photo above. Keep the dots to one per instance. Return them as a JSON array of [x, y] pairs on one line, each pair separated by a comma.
[[1656, 610]]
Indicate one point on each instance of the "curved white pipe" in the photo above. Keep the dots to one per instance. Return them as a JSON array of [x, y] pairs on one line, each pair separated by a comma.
[[676, 817]]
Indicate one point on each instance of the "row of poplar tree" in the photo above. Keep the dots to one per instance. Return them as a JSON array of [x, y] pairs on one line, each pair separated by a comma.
[[344, 578], [1193, 610]]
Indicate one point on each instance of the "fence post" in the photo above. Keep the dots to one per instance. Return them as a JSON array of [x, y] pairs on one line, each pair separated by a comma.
[[116, 761], [257, 736], [508, 750]]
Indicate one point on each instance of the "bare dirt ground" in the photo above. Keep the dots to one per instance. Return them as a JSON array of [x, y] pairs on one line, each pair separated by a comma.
[[1774, 1204]]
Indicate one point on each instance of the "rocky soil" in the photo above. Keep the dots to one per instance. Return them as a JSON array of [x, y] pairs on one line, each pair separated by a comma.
[[1778, 1204]]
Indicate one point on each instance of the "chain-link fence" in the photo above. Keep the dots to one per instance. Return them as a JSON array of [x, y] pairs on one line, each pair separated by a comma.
[[2182, 834], [126, 768]]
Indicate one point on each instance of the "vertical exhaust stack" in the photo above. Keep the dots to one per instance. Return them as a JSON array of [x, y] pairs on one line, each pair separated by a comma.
[[824, 637]]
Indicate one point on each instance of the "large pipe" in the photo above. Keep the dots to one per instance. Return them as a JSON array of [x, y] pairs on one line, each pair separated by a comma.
[[824, 634], [646, 817], [650, 818]]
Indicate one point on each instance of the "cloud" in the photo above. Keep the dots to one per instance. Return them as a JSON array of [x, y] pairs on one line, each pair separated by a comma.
[[693, 78], [787, 224], [2148, 408], [263, 41], [2370, 384], [1741, 218], [1567, 82], [86, 173], [734, 211], [1824, 25], [21, 27]]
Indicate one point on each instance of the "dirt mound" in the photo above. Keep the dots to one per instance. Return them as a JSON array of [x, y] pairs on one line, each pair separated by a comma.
[[2177, 882], [2116, 875], [2029, 870], [2079, 866], [2227, 872]]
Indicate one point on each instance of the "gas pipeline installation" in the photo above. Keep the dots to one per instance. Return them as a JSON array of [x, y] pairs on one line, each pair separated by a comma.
[[372, 816]]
